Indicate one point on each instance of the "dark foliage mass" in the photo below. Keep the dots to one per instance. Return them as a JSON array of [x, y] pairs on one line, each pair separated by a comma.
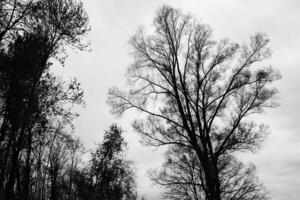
[[40, 159], [197, 95], [113, 175]]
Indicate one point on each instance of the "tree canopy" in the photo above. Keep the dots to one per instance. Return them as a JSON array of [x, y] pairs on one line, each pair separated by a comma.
[[198, 93]]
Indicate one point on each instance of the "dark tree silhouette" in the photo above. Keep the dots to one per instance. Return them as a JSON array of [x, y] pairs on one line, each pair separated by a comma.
[[198, 93], [64, 22], [112, 174], [35, 106], [19, 77]]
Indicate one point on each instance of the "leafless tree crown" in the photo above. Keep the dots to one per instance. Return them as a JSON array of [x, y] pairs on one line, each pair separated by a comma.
[[197, 92]]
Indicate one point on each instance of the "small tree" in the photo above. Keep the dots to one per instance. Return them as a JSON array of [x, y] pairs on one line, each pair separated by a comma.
[[182, 177], [198, 93], [112, 174]]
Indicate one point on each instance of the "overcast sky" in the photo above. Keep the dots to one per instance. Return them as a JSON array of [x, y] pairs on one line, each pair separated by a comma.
[[113, 22]]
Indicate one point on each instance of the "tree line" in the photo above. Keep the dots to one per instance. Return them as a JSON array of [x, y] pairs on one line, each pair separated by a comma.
[[40, 157], [197, 95]]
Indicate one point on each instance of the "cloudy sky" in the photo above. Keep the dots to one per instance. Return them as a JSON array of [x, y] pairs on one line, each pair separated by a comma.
[[113, 22]]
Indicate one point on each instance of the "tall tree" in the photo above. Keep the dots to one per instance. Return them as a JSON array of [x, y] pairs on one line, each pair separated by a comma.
[[20, 76], [198, 93], [33, 103]]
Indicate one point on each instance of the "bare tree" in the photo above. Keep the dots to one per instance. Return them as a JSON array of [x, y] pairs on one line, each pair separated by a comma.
[[183, 178], [197, 92], [180, 175]]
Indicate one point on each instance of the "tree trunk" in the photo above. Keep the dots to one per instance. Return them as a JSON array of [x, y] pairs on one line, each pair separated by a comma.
[[213, 181], [28, 168]]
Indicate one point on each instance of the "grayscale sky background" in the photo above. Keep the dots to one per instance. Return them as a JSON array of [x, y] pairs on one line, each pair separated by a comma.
[[113, 22]]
